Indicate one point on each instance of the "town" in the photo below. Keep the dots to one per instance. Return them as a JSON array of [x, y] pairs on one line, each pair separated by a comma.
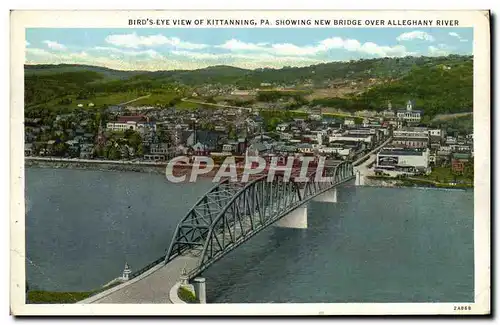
[[154, 134]]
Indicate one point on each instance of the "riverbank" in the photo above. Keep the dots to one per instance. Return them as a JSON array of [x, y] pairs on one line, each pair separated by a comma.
[[385, 181], [95, 165], [62, 297]]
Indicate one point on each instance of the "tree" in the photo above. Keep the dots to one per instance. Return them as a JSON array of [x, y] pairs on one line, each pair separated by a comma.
[[113, 153], [140, 150], [60, 149], [231, 132]]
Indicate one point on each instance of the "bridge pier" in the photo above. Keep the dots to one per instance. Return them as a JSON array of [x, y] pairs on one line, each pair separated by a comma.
[[329, 196], [200, 290], [360, 179], [295, 219]]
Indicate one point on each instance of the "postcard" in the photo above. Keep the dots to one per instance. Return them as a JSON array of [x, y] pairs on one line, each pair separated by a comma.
[[250, 162]]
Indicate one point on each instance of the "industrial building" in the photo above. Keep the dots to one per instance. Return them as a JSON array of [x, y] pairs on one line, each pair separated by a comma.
[[407, 160]]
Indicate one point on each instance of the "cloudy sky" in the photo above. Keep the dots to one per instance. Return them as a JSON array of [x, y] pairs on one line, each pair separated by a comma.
[[168, 49]]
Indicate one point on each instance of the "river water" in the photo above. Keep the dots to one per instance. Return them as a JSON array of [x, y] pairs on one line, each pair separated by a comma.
[[374, 245]]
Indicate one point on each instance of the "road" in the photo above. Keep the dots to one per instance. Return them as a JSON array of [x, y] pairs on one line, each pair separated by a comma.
[[134, 100], [362, 167], [212, 104], [151, 287]]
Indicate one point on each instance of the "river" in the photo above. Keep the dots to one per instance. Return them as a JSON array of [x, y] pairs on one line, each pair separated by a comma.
[[374, 245]]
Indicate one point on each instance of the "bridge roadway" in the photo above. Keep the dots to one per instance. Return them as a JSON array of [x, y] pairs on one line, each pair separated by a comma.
[[151, 287], [240, 210]]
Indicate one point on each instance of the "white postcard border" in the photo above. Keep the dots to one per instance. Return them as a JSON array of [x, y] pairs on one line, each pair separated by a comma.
[[103, 19]]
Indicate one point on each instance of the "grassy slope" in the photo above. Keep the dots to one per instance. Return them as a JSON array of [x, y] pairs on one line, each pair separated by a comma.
[[435, 89], [56, 297]]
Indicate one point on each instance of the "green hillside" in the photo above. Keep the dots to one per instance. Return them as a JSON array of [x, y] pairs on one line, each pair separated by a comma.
[[47, 69], [438, 89], [439, 85]]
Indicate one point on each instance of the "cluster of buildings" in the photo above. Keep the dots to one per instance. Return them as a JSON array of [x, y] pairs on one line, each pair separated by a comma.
[[64, 135], [403, 116], [166, 133], [416, 150], [239, 133]]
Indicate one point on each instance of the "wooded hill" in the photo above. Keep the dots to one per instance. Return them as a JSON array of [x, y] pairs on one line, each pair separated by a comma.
[[437, 84]]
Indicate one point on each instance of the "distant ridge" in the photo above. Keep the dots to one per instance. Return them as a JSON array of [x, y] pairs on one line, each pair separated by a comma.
[[440, 85], [231, 70]]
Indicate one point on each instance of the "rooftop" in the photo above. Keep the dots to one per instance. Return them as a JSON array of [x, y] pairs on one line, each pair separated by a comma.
[[401, 153], [131, 118]]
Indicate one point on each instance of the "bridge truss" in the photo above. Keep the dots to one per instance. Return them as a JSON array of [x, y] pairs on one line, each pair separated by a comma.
[[230, 213]]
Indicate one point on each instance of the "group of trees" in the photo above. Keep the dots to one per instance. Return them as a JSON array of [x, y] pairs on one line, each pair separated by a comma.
[[122, 145], [457, 125], [439, 85], [436, 89], [43, 88]]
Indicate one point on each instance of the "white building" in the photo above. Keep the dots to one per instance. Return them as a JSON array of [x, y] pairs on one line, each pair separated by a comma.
[[282, 127], [407, 160], [359, 138], [436, 132], [349, 121], [121, 126], [344, 152], [136, 123]]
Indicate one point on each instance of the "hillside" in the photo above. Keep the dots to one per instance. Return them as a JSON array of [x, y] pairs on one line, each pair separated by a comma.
[[437, 89], [438, 84], [47, 69], [320, 74]]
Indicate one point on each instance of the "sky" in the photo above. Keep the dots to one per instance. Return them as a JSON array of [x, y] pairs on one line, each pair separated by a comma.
[[171, 49]]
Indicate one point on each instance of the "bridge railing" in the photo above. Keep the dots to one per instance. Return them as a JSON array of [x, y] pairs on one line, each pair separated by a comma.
[[147, 267]]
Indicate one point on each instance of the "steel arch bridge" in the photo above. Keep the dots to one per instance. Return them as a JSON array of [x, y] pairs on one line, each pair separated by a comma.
[[231, 213]]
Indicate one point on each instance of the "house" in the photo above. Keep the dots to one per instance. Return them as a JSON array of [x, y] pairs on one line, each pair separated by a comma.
[[28, 149], [305, 148], [115, 109], [388, 113], [282, 127], [210, 139], [458, 162], [159, 149], [229, 147], [200, 149], [349, 121], [70, 132], [451, 140], [86, 151], [154, 157], [258, 149], [220, 128]]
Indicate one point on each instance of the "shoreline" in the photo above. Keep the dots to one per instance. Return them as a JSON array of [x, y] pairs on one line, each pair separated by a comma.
[[99, 165], [382, 181], [180, 170]]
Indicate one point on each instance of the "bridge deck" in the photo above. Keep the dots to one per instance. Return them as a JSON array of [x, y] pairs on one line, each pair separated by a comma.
[[153, 288]]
